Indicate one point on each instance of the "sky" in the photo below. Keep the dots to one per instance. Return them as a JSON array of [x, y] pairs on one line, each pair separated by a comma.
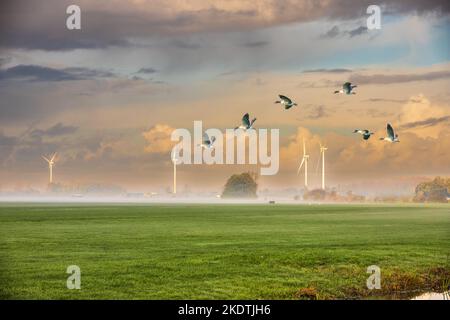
[[108, 96]]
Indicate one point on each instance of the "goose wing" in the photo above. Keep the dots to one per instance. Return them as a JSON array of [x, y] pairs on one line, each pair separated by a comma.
[[206, 140], [285, 99], [390, 131], [347, 87], [246, 120]]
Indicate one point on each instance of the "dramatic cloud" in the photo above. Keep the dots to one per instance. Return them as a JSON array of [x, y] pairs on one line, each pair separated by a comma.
[[424, 148], [430, 122], [332, 33], [147, 71], [423, 118], [338, 70], [93, 104], [58, 129], [335, 32], [397, 78], [358, 31], [41, 25], [158, 139], [41, 73]]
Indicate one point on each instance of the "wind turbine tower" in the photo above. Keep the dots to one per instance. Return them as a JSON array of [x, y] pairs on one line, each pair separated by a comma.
[[51, 162], [322, 151], [174, 160], [304, 162]]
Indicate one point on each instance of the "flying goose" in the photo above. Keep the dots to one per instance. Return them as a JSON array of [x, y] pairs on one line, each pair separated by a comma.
[[392, 136], [288, 103], [365, 133], [246, 124], [208, 143], [347, 88]]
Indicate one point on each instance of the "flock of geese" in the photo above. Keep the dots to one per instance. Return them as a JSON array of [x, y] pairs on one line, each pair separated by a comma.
[[347, 88]]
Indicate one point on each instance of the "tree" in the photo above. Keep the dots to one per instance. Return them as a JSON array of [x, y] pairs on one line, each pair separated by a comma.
[[436, 190], [437, 194], [241, 186]]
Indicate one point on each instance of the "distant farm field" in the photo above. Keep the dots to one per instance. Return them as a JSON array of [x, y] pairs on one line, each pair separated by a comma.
[[222, 251]]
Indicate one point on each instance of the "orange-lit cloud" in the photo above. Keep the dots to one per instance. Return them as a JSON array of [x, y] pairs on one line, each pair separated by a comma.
[[158, 139], [423, 118], [424, 146]]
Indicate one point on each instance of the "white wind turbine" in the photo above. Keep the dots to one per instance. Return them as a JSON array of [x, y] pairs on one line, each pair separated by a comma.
[[174, 160], [322, 151], [305, 162], [51, 162]]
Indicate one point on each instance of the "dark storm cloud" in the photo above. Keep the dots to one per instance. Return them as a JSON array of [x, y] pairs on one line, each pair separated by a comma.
[[338, 70], [332, 33], [349, 9], [86, 73], [147, 70], [28, 101], [398, 78], [41, 24], [430, 122], [58, 129], [31, 142], [335, 32], [22, 153], [41, 73], [357, 31]]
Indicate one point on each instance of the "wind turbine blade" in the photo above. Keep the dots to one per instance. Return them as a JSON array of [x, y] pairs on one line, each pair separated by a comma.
[[304, 148], [318, 162], [53, 157], [45, 159], [301, 165]]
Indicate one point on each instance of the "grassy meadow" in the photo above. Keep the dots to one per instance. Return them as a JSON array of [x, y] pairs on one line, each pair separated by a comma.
[[162, 251]]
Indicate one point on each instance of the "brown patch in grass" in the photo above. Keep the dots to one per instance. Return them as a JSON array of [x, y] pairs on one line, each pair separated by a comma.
[[403, 285], [441, 279], [309, 293]]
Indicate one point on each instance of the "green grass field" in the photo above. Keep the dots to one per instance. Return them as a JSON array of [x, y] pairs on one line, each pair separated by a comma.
[[222, 251]]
